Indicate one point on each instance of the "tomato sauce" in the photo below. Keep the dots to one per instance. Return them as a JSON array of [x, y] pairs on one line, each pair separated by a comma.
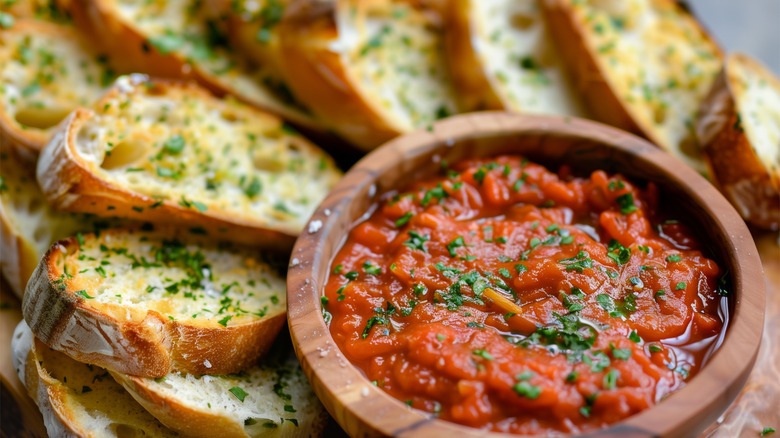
[[504, 296]]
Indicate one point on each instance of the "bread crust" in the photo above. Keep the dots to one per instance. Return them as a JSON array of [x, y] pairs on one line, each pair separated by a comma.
[[599, 92], [71, 183], [134, 342], [750, 184], [29, 140], [321, 77], [117, 35]]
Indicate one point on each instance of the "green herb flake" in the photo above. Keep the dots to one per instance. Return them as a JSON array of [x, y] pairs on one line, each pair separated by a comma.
[[403, 220], [224, 322], [239, 393], [525, 389], [673, 258], [458, 242], [174, 145], [634, 337], [483, 354], [610, 379], [83, 293], [767, 431], [626, 203], [417, 241], [680, 286], [371, 269]]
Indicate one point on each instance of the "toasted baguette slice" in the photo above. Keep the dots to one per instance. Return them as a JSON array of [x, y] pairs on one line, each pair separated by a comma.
[[46, 70], [740, 128], [267, 400], [168, 152], [370, 69], [147, 303], [28, 225], [179, 39], [501, 57], [76, 399], [641, 65]]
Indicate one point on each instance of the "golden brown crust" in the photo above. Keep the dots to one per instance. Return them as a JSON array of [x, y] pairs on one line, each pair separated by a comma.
[[474, 90], [588, 77], [741, 175], [131, 342], [605, 100], [320, 77], [178, 415], [117, 35], [70, 185]]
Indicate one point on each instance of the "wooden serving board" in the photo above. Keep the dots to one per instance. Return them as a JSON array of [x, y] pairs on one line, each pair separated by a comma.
[[757, 407]]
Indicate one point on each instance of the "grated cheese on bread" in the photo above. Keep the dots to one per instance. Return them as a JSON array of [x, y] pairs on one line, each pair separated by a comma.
[[268, 400], [740, 129], [370, 69], [641, 65], [149, 302], [501, 57], [77, 399], [185, 39], [169, 152], [46, 70]]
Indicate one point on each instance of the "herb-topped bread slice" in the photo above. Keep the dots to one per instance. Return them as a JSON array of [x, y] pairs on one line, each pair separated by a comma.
[[370, 69], [76, 399], [270, 399], [146, 303], [501, 57], [167, 152], [182, 39], [641, 65], [28, 224], [740, 130], [46, 70]]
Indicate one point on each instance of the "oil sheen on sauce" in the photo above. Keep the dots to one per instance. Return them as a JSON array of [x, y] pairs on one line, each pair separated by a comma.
[[503, 296]]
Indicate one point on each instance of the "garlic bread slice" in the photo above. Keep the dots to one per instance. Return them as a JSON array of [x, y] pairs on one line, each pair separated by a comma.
[[148, 303], [77, 399], [370, 69], [270, 399], [46, 70], [185, 39], [501, 57], [641, 65], [171, 152], [28, 224], [740, 130]]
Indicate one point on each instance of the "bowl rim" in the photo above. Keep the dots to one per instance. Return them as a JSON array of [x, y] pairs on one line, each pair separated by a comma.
[[363, 409]]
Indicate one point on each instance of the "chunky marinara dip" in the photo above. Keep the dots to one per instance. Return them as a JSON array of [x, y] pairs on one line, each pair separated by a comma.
[[503, 296]]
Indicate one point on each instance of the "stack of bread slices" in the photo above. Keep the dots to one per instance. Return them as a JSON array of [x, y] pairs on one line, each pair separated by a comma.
[[145, 226]]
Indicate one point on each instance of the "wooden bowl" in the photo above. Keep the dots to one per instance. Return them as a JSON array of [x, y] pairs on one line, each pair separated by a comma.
[[365, 410]]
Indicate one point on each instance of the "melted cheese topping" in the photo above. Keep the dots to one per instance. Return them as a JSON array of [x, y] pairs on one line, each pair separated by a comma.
[[396, 55], [143, 270], [758, 103], [207, 154], [658, 60], [46, 72], [512, 44]]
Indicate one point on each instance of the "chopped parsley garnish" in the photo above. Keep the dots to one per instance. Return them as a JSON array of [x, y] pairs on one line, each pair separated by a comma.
[[767, 431], [253, 188], [456, 243], [634, 337], [403, 220], [578, 263], [626, 203], [483, 354], [174, 145], [525, 389], [673, 258], [619, 253], [371, 269], [437, 192], [680, 286], [610, 379], [224, 321], [83, 293], [239, 393], [607, 303], [417, 241]]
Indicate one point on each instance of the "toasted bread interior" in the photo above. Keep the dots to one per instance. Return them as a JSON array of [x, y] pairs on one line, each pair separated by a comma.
[[395, 54], [659, 61], [84, 398], [180, 144], [140, 271], [47, 71], [510, 38], [273, 396]]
